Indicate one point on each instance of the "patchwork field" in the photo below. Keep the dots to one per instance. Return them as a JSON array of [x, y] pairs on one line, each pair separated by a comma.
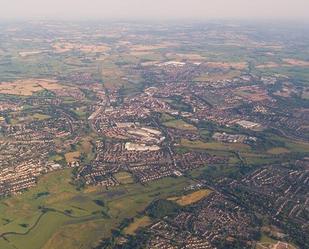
[[288, 62], [143, 47], [62, 47], [28, 87], [146, 101], [252, 93]]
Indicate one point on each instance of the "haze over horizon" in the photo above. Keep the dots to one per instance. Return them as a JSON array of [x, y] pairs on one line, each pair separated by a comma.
[[155, 10]]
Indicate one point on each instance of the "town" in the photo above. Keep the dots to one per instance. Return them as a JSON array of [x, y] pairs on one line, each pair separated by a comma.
[[165, 137]]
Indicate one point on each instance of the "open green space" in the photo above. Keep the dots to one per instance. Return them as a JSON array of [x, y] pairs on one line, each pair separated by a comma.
[[59, 215], [179, 124], [39, 116], [214, 145], [124, 177]]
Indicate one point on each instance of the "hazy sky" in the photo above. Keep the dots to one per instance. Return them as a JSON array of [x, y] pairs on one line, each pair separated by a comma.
[[155, 9]]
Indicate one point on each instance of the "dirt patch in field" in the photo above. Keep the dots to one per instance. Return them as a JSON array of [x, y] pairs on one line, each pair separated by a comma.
[[295, 62], [191, 198], [139, 222], [72, 156], [146, 47], [268, 65]]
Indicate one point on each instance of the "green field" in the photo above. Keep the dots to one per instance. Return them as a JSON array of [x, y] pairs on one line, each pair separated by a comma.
[[214, 145], [180, 124], [39, 116], [73, 219], [124, 177]]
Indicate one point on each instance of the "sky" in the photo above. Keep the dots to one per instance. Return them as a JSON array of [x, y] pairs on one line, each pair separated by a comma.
[[155, 9]]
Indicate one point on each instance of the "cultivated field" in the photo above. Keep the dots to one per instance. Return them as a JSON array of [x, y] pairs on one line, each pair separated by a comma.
[[228, 65], [62, 47], [27, 87]]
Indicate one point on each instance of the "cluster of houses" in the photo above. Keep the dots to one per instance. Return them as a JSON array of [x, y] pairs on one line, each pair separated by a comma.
[[16, 179], [208, 223], [285, 189], [168, 236]]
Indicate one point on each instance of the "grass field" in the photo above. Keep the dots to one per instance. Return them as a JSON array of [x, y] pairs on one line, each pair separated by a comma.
[[180, 124], [124, 177], [61, 196], [166, 117], [218, 76], [257, 158], [191, 198], [296, 146], [86, 148], [278, 151], [214, 145], [228, 149], [85, 225], [56, 158], [39, 116], [269, 243], [291, 145], [27, 87]]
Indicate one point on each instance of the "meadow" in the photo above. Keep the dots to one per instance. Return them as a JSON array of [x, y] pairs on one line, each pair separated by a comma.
[[54, 214], [214, 145]]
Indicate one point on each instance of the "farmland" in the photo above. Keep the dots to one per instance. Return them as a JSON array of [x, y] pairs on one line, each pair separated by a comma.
[[28, 87]]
